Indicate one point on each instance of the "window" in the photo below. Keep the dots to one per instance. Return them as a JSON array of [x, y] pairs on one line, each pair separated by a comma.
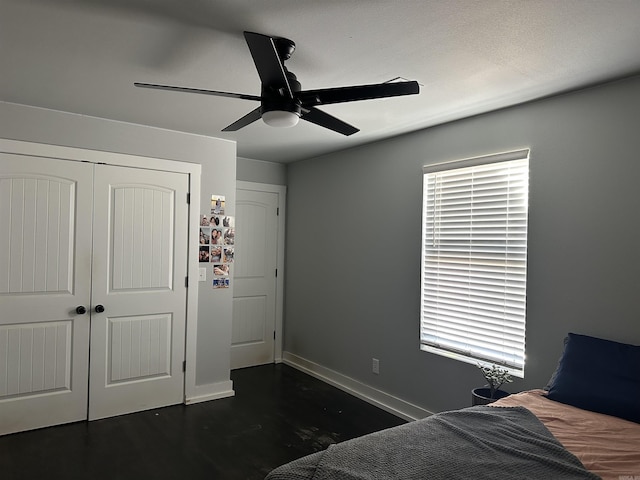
[[474, 259]]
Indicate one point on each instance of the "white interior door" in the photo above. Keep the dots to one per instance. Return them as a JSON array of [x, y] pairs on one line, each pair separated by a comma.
[[140, 246], [254, 294], [45, 267]]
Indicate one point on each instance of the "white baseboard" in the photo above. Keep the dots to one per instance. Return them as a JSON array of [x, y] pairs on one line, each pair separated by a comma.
[[376, 397], [214, 391]]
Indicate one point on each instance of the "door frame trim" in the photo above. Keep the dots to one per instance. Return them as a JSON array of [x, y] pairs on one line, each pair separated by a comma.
[[281, 190], [136, 161]]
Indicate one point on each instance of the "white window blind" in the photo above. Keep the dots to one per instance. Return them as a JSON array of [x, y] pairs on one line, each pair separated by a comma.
[[474, 259]]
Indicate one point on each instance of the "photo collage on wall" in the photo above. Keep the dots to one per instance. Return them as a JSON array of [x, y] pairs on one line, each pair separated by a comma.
[[217, 241]]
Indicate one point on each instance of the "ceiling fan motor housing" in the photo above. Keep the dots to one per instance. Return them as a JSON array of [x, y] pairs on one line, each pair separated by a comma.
[[278, 99], [281, 104], [284, 47]]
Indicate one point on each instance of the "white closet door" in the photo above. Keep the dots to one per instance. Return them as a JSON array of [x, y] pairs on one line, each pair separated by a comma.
[[45, 262], [254, 274], [139, 268]]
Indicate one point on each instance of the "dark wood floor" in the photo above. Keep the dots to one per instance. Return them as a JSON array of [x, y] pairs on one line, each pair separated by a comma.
[[277, 415]]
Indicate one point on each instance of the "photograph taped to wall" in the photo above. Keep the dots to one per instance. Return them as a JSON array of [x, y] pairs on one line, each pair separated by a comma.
[[229, 236], [217, 204], [221, 269], [204, 254], [205, 235], [220, 282], [228, 255], [216, 236], [204, 221], [228, 221], [215, 255]]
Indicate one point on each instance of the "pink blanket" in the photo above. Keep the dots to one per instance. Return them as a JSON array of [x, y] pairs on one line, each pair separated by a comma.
[[607, 446]]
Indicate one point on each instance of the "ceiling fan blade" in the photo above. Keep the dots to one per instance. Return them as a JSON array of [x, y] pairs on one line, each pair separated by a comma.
[[197, 90], [325, 120], [310, 98], [250, 117], [268, 63]]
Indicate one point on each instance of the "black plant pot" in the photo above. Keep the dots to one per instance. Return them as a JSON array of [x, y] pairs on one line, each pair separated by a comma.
[[482, 396]]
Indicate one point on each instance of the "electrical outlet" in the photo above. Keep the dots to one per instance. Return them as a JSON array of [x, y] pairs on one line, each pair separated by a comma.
[[375, 366]]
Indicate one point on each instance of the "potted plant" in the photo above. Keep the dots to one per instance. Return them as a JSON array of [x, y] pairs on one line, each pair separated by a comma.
[[495, 377]]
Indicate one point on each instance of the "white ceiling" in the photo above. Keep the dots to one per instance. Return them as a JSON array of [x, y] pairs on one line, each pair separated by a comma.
[[470, 56]]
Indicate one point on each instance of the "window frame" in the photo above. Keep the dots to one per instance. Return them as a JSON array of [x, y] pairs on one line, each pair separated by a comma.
[[444, 342]]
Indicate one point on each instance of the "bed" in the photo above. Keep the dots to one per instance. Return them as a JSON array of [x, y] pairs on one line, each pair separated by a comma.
[[567, 431]]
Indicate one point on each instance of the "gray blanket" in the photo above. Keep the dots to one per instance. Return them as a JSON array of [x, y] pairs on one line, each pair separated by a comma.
[[474, 443]]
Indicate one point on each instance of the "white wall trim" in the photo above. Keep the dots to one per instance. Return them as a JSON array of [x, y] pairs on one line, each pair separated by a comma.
[[383, 400], [213, 391], [281, 190], [193, 274], [96, 156]]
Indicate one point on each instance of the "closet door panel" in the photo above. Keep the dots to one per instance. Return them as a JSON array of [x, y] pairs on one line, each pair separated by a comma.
[[139, 269], [45, 247]]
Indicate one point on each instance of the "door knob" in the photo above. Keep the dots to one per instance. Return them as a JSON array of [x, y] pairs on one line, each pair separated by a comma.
[[81, 310], [99, 309]]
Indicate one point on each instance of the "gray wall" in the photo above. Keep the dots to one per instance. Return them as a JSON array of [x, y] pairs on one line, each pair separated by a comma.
[[353, 242], [258, 171], [217, 157]]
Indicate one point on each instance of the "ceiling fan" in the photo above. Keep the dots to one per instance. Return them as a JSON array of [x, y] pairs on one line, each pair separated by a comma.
[[282, 100]]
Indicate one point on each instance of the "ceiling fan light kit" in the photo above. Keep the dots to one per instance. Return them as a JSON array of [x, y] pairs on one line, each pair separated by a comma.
[[280, 118], [282, 101]]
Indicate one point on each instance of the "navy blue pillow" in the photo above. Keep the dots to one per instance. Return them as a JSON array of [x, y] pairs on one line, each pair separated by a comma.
[[599, 375], [555, 373]]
